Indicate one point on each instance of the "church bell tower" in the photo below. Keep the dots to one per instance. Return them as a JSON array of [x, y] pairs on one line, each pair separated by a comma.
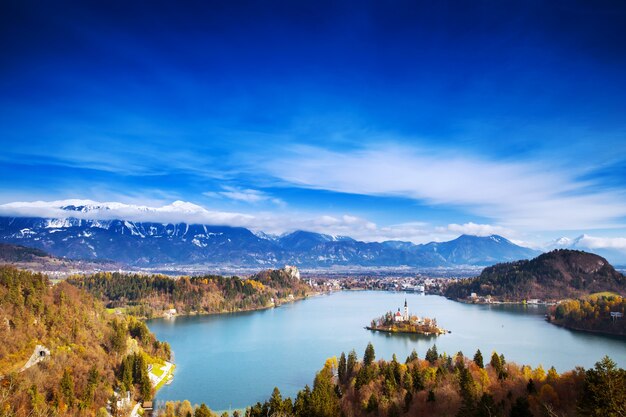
[[406, 311]]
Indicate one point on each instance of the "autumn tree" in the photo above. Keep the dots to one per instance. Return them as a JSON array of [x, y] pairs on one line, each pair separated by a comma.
[[324, 400]]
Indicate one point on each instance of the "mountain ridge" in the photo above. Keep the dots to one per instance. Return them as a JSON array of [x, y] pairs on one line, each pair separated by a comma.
[[152, 243]]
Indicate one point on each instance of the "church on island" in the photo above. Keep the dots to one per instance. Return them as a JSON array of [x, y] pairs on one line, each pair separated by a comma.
[[403, 322], [399, 317]]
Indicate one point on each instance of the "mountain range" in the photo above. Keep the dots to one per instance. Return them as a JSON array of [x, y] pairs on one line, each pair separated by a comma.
[[153, 244]]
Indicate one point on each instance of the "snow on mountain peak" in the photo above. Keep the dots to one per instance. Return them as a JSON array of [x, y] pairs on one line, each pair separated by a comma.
[[184, 206], [176, 212], [563, 241]]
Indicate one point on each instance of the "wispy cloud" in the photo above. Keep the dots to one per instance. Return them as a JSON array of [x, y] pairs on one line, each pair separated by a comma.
[[594, 242], [280, 222], [529, 195], [180, 211], [475, 229], [177, 212], [245, 195]]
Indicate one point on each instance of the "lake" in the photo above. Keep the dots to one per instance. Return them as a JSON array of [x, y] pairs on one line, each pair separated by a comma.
[[234, 360]]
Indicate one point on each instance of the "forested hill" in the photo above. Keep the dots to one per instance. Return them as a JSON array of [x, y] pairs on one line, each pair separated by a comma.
[[554, 275], [88, 349], [38, 260], [18, 253], [152, 295]]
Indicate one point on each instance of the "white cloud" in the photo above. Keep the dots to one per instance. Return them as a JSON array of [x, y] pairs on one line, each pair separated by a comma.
[[178, 211], [268, 222], [593, 242], [476, 229], [245, 195], [519, 195]]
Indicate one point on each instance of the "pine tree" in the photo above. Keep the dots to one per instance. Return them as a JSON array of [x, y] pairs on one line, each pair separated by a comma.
[[67, 387], [302, 406], [372, 404], [521, 408], [352, 361], [324, 400], [412, 357], [431, 396], [604, 390], [370, 355], [498, 365], [530, 387], [432, 355], [202, 411], [127, 374], [342, 368], [478, 359], [90, 389], [276, 402]]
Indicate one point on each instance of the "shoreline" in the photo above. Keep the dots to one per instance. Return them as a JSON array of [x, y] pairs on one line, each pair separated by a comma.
[[548, 304], [590, 331], [169, 374], [497, 302], [374, 329], [215, 313], [405, 336]]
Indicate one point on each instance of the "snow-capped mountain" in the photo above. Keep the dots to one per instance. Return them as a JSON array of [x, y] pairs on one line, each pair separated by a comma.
[[148, 243], [613, 249], [178, 211], [184, 233]]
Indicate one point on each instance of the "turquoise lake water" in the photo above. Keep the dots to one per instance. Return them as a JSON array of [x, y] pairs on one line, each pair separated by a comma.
[[234, 360]]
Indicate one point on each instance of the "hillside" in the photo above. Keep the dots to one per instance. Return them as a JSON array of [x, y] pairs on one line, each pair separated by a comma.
[[17, 253], [87, 349], [152, 295], [40, 261], [551, 276], [147, 244]]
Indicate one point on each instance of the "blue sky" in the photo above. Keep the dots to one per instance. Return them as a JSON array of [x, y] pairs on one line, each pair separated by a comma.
[[406, 120]]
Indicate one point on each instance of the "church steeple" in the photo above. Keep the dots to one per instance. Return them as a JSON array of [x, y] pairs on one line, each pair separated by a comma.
[[406, 310]]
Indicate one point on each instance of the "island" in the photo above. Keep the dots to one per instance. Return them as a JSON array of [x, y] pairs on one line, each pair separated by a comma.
[[405, 323]]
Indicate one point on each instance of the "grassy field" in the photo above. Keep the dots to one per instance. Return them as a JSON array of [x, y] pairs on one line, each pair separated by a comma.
[[157, 371], [118, 310], [160, 384]]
